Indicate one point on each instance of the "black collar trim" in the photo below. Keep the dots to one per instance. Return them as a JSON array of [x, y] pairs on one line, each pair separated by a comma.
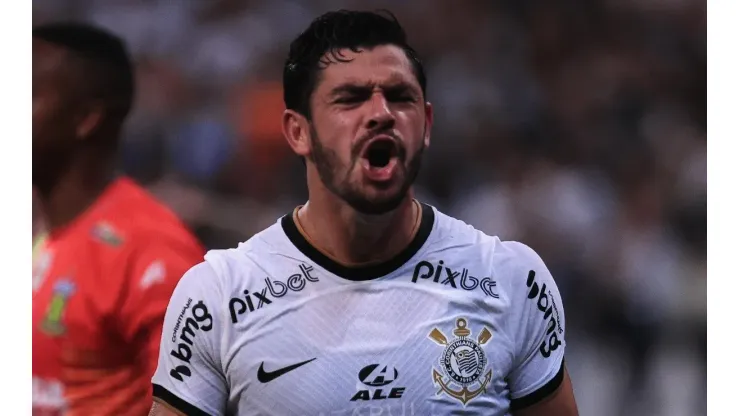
[[361, 273]]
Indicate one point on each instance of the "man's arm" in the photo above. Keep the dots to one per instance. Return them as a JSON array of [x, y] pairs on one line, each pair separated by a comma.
[[159, 409], [560, 403], [539, 382], [189, 376]]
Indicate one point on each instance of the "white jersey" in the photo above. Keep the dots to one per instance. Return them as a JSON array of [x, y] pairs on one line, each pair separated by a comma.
[[458, 323]]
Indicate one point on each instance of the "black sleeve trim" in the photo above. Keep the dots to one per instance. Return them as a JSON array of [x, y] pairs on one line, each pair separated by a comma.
[[543, 392], [179, 404]]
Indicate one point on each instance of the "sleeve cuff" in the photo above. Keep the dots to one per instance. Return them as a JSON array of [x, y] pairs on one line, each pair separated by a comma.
[[167, 397], [543, 392]]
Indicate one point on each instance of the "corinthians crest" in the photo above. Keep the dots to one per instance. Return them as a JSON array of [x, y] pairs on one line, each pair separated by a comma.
[[462, 364]]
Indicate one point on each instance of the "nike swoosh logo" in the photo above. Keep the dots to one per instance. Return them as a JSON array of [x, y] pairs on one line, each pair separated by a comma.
[[265, 376]]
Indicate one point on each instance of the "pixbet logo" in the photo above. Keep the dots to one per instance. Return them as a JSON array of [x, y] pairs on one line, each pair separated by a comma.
[[277, 289], [425, 270]]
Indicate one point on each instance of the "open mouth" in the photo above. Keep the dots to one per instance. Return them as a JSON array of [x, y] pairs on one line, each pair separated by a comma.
[[380, 152]]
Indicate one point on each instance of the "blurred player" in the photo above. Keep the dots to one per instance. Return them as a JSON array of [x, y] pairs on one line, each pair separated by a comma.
[[113, 255], [363, 301]]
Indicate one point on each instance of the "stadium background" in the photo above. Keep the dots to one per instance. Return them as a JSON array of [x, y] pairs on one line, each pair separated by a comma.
[[576, 127]]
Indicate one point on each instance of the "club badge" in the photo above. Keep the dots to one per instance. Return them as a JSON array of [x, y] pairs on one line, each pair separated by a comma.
[[461, 370]]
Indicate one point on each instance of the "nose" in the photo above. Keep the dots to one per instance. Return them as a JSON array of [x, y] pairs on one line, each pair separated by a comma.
[[381, 117]]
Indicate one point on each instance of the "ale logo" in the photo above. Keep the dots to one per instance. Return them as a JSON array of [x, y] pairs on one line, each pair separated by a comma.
[[377, 376]]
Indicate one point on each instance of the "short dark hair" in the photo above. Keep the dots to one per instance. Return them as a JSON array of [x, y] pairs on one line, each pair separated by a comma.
[[108, 70], [331, 32]]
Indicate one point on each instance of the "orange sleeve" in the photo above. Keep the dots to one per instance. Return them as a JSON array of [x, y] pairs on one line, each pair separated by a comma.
[[152, 276]]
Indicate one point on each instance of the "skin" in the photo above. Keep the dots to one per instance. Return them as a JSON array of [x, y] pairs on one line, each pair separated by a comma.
[[70, 166], [560, 403], [159, 409], [348, 216]]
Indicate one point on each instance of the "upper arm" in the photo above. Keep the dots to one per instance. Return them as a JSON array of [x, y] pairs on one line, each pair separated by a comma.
[[159, 409], [538, 318], [152, 275], [559, 403], [189, 376]]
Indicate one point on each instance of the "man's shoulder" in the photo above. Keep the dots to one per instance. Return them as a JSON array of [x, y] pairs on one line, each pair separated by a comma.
[[264, 253], [150, 218], [116, 240], [457, 242], [129, 217], [451, 233], [455, 233]]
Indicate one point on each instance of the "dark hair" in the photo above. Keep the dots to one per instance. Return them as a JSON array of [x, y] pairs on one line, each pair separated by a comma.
[[107, 67], [331, 32]]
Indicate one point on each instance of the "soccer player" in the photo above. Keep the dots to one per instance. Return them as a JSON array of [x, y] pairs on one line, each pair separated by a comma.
[[112, 255], [363, 301]]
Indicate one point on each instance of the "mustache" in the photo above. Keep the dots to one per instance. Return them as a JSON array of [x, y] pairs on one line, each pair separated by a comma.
[[400, 148]]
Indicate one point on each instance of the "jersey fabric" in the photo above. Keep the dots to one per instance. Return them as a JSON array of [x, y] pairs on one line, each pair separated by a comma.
[[100, 291], [457, 323]]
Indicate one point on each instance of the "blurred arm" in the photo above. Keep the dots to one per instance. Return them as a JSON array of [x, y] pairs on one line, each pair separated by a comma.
[[560, 403], [159, 409]]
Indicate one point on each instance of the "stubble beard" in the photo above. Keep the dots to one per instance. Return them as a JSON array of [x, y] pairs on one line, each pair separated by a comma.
[[329, 167]]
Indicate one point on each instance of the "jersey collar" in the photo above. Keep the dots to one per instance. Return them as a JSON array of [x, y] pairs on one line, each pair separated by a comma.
[[361, 273]]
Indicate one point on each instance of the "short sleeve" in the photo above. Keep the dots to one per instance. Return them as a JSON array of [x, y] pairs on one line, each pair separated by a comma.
[[189, 375], [540, 333], [151, 278]]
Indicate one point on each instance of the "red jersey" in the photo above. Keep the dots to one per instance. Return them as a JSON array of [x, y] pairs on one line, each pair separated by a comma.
[[100, 290]]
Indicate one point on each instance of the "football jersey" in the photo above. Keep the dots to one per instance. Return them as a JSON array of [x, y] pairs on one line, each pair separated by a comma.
[[459, 322], [100, 290]]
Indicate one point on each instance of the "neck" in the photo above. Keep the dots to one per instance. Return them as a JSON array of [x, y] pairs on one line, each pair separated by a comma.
[[75, 189], [353, 238]]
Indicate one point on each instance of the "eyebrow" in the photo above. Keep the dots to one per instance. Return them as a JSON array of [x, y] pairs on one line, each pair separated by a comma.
[[360, 88], [349, 88]]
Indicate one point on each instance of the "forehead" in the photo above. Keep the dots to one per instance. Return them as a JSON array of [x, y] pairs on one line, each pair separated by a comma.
[[48, 60], [377, 66]]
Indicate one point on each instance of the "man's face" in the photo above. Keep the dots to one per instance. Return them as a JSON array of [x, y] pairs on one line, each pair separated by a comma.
[[370, 126], [53, 109]]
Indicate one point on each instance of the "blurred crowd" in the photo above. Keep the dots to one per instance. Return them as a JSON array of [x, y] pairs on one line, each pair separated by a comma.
[[576, 127]]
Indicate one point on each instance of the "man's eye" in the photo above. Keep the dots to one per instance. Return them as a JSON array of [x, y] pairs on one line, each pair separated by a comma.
[[401, 98], [348, 99]]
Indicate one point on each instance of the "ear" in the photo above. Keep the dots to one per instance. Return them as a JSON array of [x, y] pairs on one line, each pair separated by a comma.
[[90, 122], [428, 119], [296, 132]]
